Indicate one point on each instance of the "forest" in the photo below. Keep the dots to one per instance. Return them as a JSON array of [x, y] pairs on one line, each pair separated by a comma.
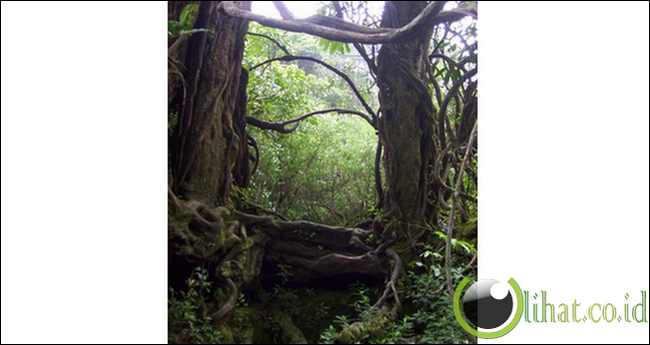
[[322, 170]]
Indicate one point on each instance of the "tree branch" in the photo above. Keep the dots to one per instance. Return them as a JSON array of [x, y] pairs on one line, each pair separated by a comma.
[[336, 71], [448, 60], [452, 91], [451, 220], [276, 42], [339, 30], [281, 127]]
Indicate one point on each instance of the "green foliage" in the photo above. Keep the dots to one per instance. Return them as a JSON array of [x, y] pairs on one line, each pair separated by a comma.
[[434, 317], [185, 20], [468, 247], [361, 299], [428, 316], [329, 335], [399, 332], [188, 15], [324, 170], [334, 47], [173, 27], [187, 322]]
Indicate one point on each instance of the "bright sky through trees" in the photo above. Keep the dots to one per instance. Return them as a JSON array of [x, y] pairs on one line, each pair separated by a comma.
[[300, 9], [304, 9]]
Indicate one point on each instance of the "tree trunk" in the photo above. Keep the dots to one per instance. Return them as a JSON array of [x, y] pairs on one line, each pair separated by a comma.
[[210, 142], [407, 116]]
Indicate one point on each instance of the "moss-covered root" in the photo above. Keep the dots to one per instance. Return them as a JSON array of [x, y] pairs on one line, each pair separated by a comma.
[[373, 327]]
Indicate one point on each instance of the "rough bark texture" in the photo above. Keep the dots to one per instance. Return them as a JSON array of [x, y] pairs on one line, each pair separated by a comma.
[[407, 113], [241, 170], [199, 235], [209, 139]]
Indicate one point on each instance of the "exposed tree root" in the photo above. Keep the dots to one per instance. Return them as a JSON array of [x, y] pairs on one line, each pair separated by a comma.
[[391, 290], [333, 237], [233, 245], [230, 303], [375, 326]]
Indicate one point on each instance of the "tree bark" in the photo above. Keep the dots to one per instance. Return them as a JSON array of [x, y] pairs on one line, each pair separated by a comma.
[[210, 137], [407, 115]]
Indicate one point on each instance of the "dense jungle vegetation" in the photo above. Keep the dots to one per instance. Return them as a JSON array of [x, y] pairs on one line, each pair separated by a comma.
[[322, 171]]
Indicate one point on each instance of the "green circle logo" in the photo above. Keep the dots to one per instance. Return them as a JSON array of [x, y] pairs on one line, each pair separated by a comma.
[[483, 308]]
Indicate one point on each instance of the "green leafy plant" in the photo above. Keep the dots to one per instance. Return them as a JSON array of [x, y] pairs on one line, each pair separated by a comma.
[[326, 165], [185, 20], [187, 322], [468, 247]]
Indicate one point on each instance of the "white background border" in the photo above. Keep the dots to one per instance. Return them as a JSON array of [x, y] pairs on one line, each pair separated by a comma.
[[563, 164], [84, 236], [563, 157]]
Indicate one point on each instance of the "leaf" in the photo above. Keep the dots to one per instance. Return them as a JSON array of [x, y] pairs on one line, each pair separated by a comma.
[[334, 47], [436, 271], [187, 16], [173, 27]]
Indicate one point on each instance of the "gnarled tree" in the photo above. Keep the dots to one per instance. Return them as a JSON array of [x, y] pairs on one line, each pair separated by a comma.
[[209, 150], [210, 142], [407, 117]]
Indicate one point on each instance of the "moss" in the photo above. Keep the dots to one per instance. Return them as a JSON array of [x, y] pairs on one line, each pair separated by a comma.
[[226, 334], [374, 327], [242, 322]]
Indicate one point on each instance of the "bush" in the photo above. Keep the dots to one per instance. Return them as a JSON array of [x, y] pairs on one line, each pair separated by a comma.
[[428, 313], [187, 322]]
